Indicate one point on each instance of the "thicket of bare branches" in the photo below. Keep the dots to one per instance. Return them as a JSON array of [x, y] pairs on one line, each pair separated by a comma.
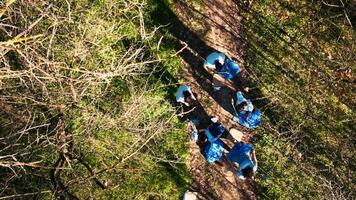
[[57, 64]]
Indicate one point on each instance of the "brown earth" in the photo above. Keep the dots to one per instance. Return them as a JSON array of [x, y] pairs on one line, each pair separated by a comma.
[[214, 25]]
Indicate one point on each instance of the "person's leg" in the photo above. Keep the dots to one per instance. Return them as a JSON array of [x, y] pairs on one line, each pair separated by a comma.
[[208, 135], [225, 146], [217, 82]]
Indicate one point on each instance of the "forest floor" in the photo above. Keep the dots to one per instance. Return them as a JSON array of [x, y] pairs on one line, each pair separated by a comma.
[[213, 26]]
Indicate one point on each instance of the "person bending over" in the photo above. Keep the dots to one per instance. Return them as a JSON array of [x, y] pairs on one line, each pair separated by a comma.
[[245, 157], [184, 95], [246, 114], [214, 131], [222, 68], [243, 106]]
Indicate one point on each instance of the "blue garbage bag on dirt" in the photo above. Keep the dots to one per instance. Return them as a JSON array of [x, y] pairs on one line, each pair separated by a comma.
[[213, 151], [229, 69], [253, 121]]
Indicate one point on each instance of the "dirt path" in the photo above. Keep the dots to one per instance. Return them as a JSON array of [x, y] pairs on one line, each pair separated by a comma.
[[212, 25]]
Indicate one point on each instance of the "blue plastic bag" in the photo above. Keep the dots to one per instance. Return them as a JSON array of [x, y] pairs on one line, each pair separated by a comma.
[[229, 69], [253, 121], [213, 151]]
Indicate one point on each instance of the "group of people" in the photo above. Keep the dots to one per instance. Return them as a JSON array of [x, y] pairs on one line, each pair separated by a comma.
[[224, 69]]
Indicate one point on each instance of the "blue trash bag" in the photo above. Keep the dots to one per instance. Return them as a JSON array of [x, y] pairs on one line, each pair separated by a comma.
[[239, 152], [229, 69], [213, 151], [253, 121]]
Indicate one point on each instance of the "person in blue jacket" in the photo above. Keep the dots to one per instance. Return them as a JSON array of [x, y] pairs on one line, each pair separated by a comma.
[[243, 106], [213, 149], [185, 95], [245, 157], [246, 114], [215, 131], [223, 69]]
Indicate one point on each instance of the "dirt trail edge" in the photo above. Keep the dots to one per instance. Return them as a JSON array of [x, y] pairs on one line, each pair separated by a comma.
[[212, 25]]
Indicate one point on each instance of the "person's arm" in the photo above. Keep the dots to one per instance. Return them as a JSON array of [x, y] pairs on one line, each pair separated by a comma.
[[247, 115], [192, 95], [234, 99], [201, 130], [208, 69], [253, 158], [181, 100]]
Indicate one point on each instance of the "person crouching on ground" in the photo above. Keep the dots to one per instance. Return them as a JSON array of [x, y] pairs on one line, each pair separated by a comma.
[[246, 114], [215, 131], [213, 149], [185, 96], [243, 106], [223, 69], [245, 157]]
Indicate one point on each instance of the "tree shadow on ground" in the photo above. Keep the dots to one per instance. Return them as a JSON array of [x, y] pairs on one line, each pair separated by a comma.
[[242, 35], [194, 54], [197, 50], [240, 39]]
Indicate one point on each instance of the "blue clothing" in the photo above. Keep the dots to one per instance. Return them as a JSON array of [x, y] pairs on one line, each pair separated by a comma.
[[215, 56], [239, 154], [247, 163], [179, 93], [213, 151], [229, 69], [239, 99], [214, 132], [253, 121], [209, 136]]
